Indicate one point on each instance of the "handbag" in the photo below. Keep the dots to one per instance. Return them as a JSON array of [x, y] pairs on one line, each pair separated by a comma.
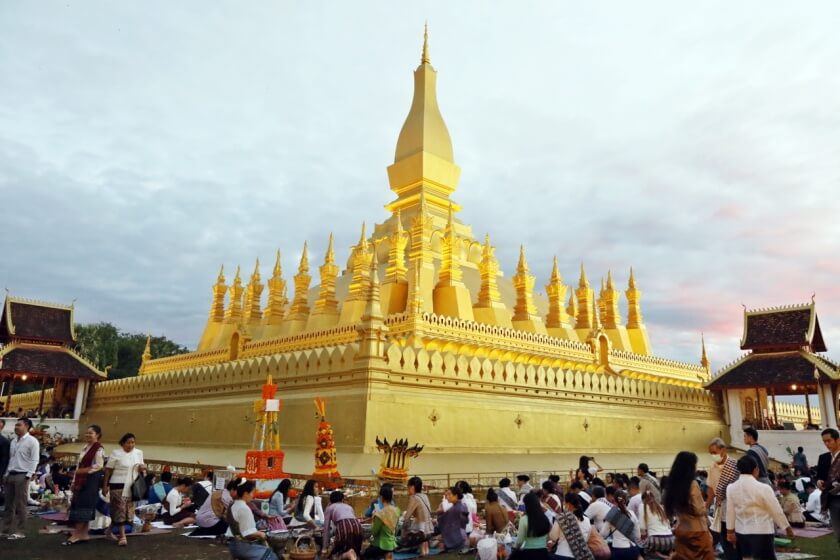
[[139, 488], [598, 546]]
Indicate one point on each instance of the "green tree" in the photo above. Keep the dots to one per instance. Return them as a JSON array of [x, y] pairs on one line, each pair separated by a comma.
[[105, 345]]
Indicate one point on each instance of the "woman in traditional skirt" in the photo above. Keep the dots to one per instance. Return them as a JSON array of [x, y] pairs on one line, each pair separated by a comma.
[[657, 537], [86, 485], [124, 465], [684, 500], [341, 525]]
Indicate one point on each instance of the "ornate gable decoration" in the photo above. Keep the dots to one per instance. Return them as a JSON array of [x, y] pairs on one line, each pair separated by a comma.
[[782, 328]]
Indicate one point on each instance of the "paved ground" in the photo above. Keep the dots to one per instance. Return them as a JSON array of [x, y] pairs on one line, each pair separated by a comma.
[[175, 547]]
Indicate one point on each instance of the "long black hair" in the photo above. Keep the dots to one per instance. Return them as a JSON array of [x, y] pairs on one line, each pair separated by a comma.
[[576, 503], [308, 490], [283, 488], [678, 489], [538, 524]]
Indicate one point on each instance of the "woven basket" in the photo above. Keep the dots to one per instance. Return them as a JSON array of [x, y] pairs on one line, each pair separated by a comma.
[[303, 551]]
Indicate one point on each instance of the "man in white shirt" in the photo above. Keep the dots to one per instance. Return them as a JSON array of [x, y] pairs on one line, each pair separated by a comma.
[[598, 510], [812, 505], [24, 452], [635, 503], [751, 511]]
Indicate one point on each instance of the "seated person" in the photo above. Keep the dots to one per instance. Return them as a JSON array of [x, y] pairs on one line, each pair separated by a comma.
[[790, 505], [452, 523], [384, 530], [159, 490], [813, 507], [178, 510], [210, 517], [343, 534], [202, 489]]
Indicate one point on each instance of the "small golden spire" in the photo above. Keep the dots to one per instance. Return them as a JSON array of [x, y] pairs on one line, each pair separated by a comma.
[[399, 221], [584, 282], [425, 58], [555, 271], [236, 279], [329, 257], [256, 275], [304, 259], [277, 269], [704, 359], [522, 266], [221, 278], [632, 282], [609, 280]]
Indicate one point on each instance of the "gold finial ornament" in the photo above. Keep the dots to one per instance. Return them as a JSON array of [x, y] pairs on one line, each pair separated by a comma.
[[585, 296], [253, 294], [234, 310], [704, 359], [424, 59], [275, 309], [525, 311], [327, 302], [557, 318]]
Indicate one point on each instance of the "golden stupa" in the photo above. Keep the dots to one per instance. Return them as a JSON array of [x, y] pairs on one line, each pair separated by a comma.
[[421, 336]]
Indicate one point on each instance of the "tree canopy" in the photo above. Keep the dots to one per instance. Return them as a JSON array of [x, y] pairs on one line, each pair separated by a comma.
[[105, 345]]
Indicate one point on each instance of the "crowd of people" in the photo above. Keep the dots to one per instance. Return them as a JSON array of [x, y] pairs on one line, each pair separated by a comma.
[[734, 510]]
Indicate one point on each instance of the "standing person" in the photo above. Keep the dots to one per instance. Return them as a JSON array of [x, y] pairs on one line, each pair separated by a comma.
[[724, 472], [24, 451], [635, 503], [124, 465], [751, 510], [5, 443], [683, 500], [553, 500], [524, 484], [472, 505], [86, 484], [623, 526], [759, 453], [570, 532], [247, 543], [532, 536], [178, 510], [800, 461], [586, 470], [495, 517], [340, 522], [655, 528], [507, 497], [648, 482], [828, 478], [597, 511], [453, 522], [418, 513], [383, 532], [577, 488]]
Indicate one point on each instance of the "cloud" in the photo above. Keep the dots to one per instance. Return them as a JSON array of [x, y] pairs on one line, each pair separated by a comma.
[[140, 148]]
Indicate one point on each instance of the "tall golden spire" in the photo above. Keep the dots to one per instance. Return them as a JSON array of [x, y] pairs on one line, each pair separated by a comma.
[[373, 308], [634, 311], [396, 253], [704, 359], [300, 306], [327, 302], [556, 290], [253, 294], [423, 160], [523, 282], [360, 268], [275, 308], [488, 268], [572, 307], [585, 299], [217, 309], [450, 265], [147, 354], [234, 310], [612, 315]]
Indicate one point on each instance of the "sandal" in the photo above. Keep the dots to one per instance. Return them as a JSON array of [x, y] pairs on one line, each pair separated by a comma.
[[123, 542], [68, 542]]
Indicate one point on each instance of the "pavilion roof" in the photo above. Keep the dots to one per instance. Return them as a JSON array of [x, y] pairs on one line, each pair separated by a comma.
[[775, 369], [46, 361], [35, 321], [782, 328]]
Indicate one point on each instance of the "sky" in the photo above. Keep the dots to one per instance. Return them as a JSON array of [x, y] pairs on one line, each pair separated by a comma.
[[142, 145]]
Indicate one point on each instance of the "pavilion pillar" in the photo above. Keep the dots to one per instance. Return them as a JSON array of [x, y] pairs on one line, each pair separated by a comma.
[[11, 393], [828, 408], [808, 406], [81, 389], [775, 415], [736, 421]]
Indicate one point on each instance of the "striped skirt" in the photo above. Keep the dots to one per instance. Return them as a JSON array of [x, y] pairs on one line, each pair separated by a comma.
[[659, 543], [348, 535]]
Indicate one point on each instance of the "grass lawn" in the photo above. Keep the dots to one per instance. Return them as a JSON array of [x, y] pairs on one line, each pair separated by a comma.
[[175, 547]]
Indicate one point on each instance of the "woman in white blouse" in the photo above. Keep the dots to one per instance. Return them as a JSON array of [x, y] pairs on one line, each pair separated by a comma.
[[247, 543], [124, 465], [178, 510], [309, 508]]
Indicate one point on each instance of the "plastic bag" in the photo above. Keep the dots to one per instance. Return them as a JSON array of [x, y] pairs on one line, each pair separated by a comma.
[[487, 548]]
